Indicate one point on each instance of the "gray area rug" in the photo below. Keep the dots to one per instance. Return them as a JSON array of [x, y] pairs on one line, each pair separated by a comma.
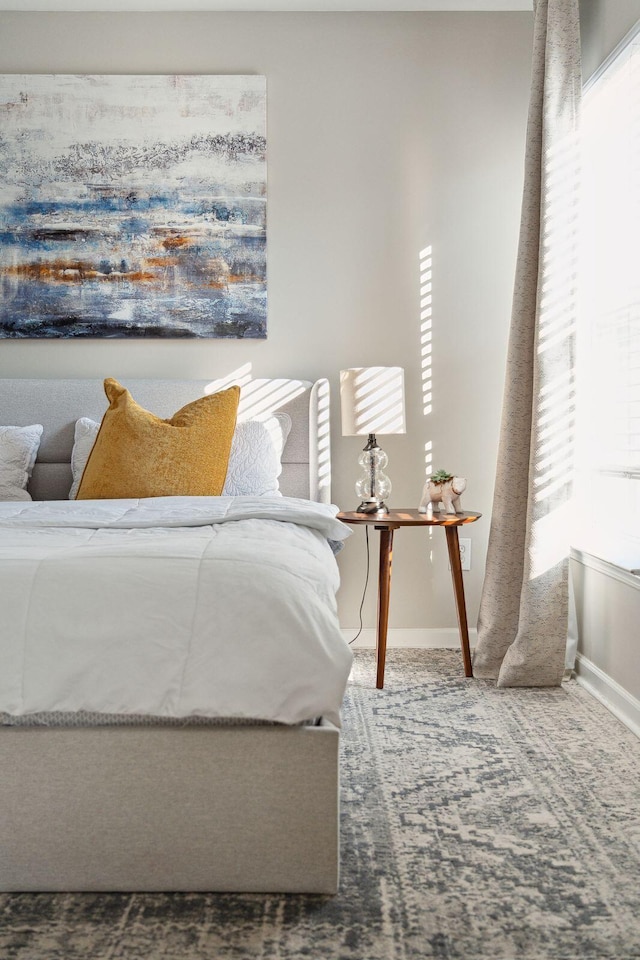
[[477, 824]]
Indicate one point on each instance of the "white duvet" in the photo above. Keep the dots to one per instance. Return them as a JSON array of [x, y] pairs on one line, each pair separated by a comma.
[[171, 607]]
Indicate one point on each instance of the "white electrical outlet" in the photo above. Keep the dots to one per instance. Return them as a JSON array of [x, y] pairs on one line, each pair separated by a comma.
[[465, 553]]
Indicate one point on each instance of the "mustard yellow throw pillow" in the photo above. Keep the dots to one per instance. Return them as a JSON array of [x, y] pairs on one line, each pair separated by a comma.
[[136, 454]]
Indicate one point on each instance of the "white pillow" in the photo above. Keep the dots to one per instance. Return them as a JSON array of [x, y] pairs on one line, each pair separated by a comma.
[[18, 452], [83, 441], [254, 460]]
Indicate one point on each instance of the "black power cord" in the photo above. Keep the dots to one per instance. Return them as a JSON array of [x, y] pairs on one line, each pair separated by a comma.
[[364, 592]]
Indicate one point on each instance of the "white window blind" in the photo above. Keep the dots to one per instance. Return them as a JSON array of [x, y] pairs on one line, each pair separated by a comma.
[[609, 325]]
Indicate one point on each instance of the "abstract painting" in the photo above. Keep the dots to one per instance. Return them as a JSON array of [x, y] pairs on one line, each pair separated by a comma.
[[133, 206]]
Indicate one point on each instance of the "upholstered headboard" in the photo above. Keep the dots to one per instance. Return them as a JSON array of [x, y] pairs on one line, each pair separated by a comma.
[[57, 404]]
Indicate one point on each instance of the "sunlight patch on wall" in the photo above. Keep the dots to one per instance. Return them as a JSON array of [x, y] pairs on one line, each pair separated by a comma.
[[426, 320], [428, 458], [426, 351]]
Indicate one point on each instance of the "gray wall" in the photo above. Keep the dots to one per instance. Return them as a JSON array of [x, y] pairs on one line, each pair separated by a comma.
[[387, 133], [603, 24], [608, 615]]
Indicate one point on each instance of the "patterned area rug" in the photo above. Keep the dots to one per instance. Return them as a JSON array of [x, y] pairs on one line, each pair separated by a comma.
[[477, 824]]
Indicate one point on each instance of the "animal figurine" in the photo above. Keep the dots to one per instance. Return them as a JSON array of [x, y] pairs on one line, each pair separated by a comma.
[[444, 489]]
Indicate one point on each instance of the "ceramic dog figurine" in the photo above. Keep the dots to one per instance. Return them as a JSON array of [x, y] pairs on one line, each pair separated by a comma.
[[445, 492]]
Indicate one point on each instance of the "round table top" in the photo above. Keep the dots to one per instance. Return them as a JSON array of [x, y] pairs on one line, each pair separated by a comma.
[[406, 517]]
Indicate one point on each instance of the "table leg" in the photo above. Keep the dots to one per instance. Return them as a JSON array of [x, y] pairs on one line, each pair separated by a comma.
[[384, 589], [458, 589]]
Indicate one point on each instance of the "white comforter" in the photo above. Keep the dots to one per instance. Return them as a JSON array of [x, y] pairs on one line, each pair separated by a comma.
[[171, 607]]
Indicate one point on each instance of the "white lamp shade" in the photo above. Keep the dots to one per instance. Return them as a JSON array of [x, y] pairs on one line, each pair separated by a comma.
[[372, 400]]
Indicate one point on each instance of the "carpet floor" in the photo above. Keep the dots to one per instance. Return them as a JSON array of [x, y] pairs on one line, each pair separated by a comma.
[[477, 824]]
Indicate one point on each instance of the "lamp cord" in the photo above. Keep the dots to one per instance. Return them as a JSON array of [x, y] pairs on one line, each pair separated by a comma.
[[364, 592]]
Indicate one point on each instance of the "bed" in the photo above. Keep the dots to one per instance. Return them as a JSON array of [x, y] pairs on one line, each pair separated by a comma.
[[185, 795]]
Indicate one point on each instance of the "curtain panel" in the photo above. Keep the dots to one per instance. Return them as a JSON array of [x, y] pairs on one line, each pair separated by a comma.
[[522, 624]]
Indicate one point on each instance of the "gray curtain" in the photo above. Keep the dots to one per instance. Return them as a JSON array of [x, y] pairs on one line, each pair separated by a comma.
[[522, 625]]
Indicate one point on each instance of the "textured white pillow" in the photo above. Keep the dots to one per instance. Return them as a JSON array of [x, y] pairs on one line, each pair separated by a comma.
[[18, 452], [254, 460]]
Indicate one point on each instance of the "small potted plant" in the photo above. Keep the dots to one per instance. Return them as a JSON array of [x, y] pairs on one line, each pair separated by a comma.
[[444, 489]]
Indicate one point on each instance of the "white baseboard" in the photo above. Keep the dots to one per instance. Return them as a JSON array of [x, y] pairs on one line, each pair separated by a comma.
[[615, 698], [428, 639]]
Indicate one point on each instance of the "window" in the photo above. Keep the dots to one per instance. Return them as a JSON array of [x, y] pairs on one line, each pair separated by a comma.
[[608, 340]]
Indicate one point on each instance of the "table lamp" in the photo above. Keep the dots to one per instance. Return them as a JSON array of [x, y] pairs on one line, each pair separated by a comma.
[[372, 401]]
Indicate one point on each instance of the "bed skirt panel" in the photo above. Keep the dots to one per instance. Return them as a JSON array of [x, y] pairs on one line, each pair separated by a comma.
[[247, 809]]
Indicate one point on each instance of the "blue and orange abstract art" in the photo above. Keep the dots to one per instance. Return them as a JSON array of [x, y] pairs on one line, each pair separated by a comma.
[[133, 206]]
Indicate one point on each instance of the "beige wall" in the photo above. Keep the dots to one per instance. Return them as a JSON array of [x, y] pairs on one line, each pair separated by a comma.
[[387, 133]]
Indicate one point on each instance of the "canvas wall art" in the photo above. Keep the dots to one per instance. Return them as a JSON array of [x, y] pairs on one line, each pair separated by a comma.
[[133, 206]]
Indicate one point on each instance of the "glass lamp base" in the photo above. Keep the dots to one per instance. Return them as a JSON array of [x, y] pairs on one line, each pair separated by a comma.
[[373, 485], [373, 506]]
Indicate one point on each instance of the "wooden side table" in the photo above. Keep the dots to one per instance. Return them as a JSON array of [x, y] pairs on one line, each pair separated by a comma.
[[387, 524]]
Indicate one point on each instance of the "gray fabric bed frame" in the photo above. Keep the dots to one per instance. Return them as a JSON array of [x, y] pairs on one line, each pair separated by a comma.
[[219, 808], [57, 404]]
